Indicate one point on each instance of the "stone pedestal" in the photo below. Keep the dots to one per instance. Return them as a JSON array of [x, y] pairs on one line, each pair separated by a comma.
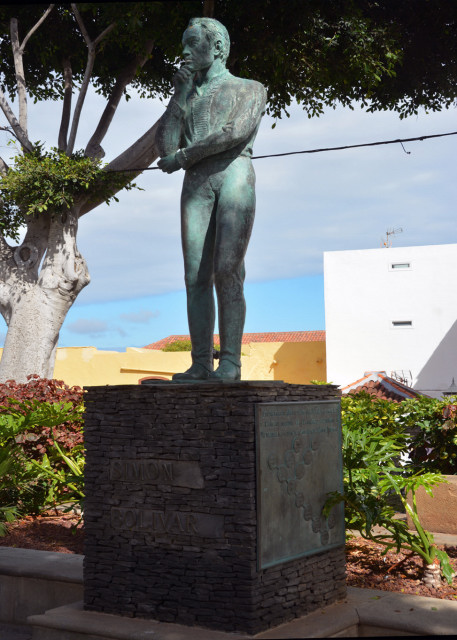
[[203, 502]]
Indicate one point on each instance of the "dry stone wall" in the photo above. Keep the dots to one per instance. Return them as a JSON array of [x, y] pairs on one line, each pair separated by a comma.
[[170, 514]]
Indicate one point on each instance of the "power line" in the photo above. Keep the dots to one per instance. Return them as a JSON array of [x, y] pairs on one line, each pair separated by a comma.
[[293, 153], [356, 146]]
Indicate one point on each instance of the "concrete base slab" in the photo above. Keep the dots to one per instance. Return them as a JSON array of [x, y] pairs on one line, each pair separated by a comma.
[[73, 623], [50, 577], [364, 613], [65, 567], [415, 615], [15, 632], [33, 581]]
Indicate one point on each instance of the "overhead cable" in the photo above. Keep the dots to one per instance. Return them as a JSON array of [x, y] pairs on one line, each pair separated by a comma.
[[293, 153]]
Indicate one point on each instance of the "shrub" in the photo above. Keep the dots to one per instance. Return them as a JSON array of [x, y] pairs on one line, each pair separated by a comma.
[[41, 451], [36, 439], [433, 425], [430, 423], [178, 345], [374, 435]]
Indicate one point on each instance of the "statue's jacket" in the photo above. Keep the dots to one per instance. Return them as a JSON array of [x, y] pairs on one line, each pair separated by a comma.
[[221, 120]]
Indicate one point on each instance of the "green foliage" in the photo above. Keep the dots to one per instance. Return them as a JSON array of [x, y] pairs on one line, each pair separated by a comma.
[[386, 55], [35, 441], [31, 483], [178, 345], [374, 436], [8, 512], [363, 410], [43, 182], [186, 345], [430, 422], [433, 423]]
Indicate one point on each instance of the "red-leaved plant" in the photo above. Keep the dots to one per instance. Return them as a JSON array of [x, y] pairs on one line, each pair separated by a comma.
[[36, 389]]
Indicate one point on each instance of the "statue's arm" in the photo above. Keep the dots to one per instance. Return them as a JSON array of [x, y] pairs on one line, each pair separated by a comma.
[[242, 123], [169, 131]]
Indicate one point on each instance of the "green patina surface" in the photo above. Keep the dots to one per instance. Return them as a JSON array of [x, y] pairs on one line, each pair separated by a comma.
[[208, 130]]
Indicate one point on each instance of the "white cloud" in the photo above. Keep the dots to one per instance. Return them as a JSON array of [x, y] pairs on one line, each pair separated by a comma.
[[306, 204], [139, 317], [88, 326]]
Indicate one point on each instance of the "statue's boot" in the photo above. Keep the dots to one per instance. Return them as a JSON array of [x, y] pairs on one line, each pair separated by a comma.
[[196, 372], [227, 370]]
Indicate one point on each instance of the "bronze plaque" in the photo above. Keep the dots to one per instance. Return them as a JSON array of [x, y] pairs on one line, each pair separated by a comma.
[[299, 460]]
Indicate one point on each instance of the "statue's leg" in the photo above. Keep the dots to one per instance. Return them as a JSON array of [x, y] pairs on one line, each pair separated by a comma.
[[198, 233], [234, 220]]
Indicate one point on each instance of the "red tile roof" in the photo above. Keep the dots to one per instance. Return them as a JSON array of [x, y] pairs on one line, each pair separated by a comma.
[[380, 385], [275, 336]]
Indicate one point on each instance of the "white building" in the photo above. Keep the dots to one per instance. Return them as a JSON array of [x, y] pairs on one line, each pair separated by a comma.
[[392, 310]]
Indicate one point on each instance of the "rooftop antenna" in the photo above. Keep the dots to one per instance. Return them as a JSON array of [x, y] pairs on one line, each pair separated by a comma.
[[390, 232]]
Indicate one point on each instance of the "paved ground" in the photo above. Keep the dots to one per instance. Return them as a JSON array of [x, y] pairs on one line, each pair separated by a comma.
[[14, 632]]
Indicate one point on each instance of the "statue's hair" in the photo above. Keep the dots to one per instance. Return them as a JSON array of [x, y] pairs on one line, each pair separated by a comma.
[[214, 30]]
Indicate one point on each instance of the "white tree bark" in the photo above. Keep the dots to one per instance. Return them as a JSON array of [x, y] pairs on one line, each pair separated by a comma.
[[35, 298], [41, 278], [36, 301]]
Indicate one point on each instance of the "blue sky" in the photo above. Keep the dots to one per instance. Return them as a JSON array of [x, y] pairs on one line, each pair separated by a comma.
[[306, 205]]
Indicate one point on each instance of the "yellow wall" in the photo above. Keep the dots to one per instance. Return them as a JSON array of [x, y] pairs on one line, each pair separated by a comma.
[[295, 362], [85, 366]]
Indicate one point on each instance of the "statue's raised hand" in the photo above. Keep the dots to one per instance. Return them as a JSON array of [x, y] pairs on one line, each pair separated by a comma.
[[182, 82]]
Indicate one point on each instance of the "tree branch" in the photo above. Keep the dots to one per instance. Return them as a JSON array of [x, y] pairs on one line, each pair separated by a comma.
[[93, 148], [208, 8], [18, 53], [66, 106], [141, 153], [91, 46], [4, 168], [80, 101], [20, 76], [104, 33], [35, 27], [81, 25], [18, 131]]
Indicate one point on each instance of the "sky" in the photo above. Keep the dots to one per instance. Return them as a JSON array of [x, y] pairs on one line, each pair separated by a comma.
[[306, 204]]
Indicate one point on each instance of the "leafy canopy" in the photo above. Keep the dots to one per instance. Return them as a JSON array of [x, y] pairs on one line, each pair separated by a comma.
[[386, 55]]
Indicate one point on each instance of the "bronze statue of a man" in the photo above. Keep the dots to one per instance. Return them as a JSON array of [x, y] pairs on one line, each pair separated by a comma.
[[208, 129]]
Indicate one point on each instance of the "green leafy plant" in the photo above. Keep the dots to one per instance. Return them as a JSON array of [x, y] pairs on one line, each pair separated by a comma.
[[373, 439], [35, 441], [51, 181], [178, 345], [8, 512], [33, 481], [433, 426]]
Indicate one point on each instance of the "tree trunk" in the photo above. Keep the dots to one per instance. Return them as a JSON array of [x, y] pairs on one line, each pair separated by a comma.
[[38, 307], [431, 576], [34, 301]]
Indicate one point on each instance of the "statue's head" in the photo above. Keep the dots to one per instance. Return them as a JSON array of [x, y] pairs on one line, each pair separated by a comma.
[[207, 33]]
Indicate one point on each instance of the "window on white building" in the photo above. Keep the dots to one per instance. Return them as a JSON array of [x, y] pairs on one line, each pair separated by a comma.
[[402, 323], [397, 266]]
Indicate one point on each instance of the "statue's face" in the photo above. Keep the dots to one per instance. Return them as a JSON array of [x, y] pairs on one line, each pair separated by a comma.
[[196, 49]]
